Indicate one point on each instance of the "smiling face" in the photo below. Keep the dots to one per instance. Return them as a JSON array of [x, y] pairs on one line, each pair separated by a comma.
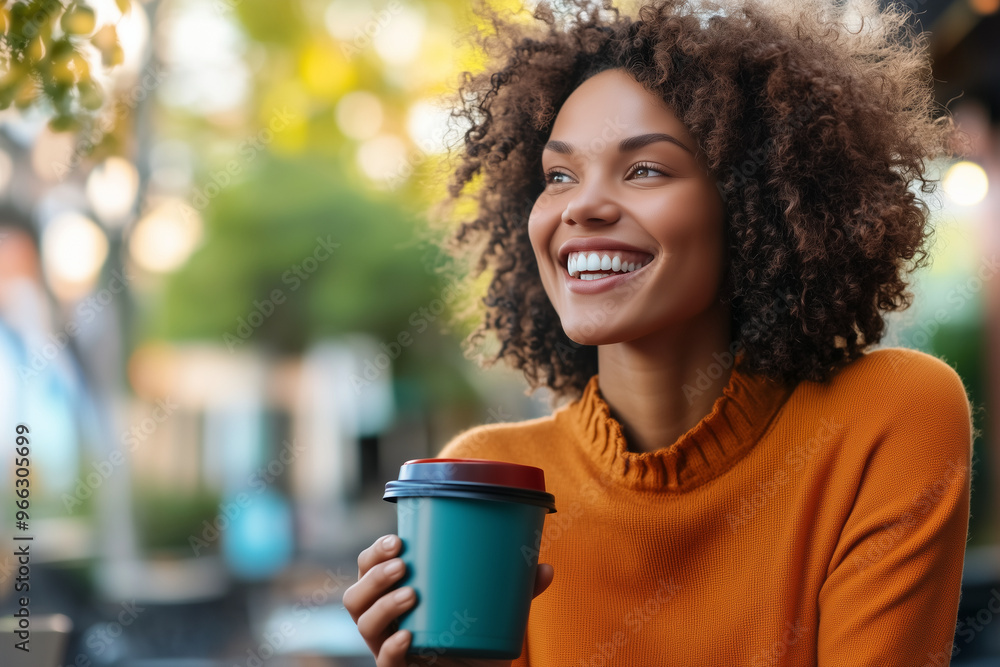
[[624, 190]]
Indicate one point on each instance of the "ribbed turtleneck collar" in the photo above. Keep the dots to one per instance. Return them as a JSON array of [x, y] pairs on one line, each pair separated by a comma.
[[736, 422]]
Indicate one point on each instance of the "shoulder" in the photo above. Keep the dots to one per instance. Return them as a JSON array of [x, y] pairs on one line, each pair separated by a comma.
[[514, 442], [901, 379], [907, 405]]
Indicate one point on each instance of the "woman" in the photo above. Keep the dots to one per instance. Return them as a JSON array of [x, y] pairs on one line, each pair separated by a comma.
[[720, 215]]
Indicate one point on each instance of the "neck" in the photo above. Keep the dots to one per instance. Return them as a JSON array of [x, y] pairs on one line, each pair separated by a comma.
[[660, 386]]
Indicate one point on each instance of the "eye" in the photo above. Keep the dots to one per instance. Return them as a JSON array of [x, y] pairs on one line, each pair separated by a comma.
[[552, 174], [646, 167]]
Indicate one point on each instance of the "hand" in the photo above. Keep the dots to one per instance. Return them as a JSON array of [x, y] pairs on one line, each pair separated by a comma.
[[375, 608]]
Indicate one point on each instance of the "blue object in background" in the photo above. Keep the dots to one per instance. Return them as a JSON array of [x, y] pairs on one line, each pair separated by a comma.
[[259, 540]]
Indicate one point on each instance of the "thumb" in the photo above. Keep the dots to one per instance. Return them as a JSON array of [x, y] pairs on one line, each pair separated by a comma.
[[543, 577]]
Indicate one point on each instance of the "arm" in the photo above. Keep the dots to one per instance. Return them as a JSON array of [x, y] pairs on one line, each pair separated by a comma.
[[892, 590]]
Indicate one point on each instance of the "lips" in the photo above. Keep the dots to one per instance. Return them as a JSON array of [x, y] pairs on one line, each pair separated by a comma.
[[600, 281]]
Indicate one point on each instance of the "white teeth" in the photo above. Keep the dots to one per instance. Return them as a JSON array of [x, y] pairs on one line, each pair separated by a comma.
[[578, 262]]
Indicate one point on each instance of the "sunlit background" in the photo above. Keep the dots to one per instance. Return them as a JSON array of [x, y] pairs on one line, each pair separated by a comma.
[[223, 320]]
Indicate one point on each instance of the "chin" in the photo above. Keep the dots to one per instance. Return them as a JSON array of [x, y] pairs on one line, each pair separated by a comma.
[[592, 334]]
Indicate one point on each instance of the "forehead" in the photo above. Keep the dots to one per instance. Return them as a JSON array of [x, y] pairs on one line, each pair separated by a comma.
[[612, 104]]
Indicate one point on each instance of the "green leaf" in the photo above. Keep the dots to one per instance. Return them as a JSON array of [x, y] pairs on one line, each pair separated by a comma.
[[63, 123], [91, 97], [62, 47]]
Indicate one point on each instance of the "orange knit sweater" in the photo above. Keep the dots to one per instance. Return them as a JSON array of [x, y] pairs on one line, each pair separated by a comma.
[[820, 525]]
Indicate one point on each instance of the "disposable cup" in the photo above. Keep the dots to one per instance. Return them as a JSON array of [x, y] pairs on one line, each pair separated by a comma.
[[470, 529]]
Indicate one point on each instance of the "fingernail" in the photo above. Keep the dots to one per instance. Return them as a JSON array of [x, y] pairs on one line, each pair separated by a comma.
[[394, 568], [389, 542], [403, 594]]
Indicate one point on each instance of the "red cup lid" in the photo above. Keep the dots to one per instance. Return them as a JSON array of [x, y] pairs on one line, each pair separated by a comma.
[[482, 471]]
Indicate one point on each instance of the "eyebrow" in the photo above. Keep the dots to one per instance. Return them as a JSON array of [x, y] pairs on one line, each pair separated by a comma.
[[626, 145]]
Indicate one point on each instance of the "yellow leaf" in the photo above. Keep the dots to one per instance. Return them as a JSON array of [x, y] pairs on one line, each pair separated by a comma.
[[79, 21], [62, 70], [36, 49], [105, 38], [81, 67], [27, 91]]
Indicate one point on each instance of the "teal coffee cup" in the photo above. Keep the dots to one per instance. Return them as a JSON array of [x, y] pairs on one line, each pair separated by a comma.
[[470, 530]]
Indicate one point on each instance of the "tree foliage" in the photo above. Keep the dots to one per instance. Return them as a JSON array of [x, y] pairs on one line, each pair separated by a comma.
[[46, 49]]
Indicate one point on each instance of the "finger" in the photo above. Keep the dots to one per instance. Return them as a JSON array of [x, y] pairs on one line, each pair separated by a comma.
[[383, 549], [393, 651], [374, 623], [373, 585], [543, 577]]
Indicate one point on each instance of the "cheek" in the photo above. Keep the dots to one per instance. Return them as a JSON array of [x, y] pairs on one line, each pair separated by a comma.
[[708, 244], [533, 231], [696, 221], [714, 228], [540, 231]]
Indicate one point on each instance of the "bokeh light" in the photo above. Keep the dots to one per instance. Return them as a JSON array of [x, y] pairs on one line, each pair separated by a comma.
[[985, 6], [428, 126], [346, 19], [53, 155], [204, 52], [133, 31], [165, 237], [382, 158], [325, 71], [398, 41], [112, 187], [73, 251], [965, 183], [359, 115]]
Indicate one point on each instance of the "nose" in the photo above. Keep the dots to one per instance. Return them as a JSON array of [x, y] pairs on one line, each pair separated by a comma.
[[591, 204]]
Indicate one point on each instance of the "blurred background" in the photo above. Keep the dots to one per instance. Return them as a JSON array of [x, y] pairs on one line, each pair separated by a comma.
[[222, 313]]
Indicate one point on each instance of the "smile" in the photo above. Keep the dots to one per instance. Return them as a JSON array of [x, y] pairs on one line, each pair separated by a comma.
[[621, 268]]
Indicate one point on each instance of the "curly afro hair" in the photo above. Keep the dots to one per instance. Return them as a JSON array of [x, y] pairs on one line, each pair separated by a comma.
[[816, 121]]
